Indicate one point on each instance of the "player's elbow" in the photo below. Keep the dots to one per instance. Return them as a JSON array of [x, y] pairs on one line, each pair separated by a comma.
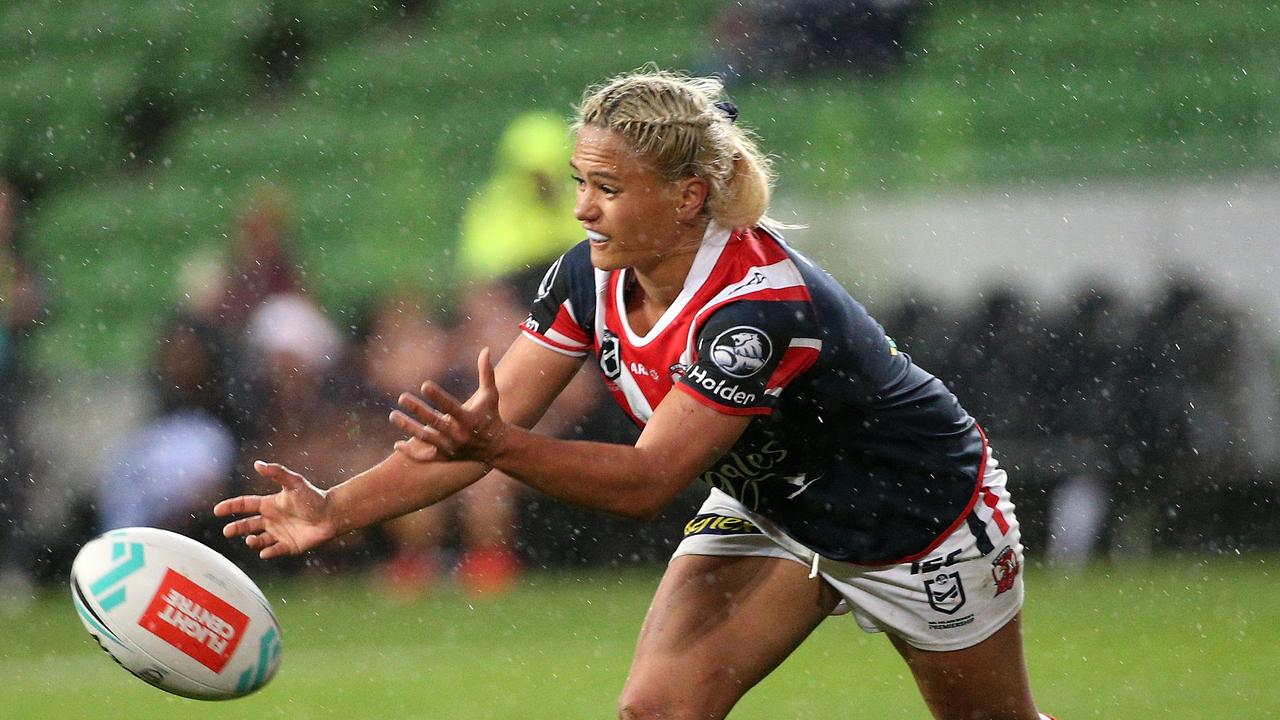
[[643, 511], [649, 503]]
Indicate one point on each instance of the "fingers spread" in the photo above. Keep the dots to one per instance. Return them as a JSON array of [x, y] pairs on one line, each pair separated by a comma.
[[246, 526], [260, 541], [447, 403], [280, 474], [423, 412], [275, 549], [238, 505], [417, 450], [484, 368]]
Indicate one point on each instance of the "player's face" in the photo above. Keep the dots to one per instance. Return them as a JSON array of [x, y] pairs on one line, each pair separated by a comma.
[[630, 213]]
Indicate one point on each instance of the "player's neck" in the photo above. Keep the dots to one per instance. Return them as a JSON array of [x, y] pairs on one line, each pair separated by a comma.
[[658, 283]]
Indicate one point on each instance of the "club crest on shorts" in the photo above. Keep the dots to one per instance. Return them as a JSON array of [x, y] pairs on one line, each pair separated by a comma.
[[1004, 569], [741, 351], [946, 592]]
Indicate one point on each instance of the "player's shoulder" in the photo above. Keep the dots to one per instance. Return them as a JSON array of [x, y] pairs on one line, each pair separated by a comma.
[[566, 271], [756, 268], [758, 246]]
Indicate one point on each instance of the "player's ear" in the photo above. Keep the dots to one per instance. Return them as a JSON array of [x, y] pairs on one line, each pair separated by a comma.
[[691, 196]]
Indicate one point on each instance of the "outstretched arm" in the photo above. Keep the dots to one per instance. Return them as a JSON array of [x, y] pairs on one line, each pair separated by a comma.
[[681, 440], [302, 516]]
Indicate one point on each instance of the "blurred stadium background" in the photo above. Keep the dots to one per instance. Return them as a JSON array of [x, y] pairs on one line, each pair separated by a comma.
[[1070, 211]]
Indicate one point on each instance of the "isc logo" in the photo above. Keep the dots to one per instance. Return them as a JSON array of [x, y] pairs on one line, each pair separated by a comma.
[[935, 563]]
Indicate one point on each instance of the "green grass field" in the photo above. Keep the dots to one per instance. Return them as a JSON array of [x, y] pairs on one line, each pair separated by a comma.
[[1180, 638]]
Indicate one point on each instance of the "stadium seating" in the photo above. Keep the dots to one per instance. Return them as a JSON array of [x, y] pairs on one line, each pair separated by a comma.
[[387, 125]]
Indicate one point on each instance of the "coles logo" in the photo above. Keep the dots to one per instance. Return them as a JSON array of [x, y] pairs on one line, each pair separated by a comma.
[[741, 351], [195, 621]]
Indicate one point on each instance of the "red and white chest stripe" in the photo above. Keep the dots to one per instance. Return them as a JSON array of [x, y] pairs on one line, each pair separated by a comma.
[[749, 268]]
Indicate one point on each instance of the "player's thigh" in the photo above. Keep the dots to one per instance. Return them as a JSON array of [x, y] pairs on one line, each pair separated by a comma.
[[988, 680], [717, 626]]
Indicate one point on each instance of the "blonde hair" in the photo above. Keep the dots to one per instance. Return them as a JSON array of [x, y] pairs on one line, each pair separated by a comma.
[[675, 126]]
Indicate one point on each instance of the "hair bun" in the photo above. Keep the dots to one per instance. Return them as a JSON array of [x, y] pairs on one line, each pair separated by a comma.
[[729, 109]]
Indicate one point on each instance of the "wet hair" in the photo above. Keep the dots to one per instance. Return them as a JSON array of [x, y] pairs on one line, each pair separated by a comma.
[[681, 127]]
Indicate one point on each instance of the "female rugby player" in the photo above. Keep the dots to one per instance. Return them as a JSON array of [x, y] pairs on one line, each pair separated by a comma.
[[843, 477]]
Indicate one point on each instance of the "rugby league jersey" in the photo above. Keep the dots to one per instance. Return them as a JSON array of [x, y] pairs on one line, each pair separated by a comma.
[[853, 450]]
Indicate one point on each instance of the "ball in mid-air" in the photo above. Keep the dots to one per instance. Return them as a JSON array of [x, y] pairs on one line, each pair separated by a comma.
[[175, 613]]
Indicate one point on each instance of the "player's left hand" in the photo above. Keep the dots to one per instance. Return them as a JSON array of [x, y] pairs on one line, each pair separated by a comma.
[[441, 428]]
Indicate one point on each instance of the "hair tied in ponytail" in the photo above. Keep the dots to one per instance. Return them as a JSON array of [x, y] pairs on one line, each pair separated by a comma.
[[729, 109]]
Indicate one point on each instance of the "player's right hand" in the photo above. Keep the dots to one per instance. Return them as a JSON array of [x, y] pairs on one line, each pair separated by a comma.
[[289, 522]]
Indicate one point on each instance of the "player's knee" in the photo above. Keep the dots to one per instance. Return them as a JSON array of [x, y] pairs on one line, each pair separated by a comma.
[[643, 706], [655, 704]]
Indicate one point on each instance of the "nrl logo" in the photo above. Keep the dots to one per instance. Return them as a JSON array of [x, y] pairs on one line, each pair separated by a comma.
[[946, 592], [610, 362]]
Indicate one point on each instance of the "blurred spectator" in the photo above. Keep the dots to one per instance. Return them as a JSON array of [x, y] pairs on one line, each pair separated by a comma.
[[512, 230], [922, 330], [519, 222], [522, 217], [223, 294], [261, 262], [1002, 373], [755, 39], [1193, 386], [310, 418], [21, 312], [1090, 350], [169, 471], [402, 345]]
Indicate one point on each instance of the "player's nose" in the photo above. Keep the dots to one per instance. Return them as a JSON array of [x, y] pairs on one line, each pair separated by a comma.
[[585, 209]]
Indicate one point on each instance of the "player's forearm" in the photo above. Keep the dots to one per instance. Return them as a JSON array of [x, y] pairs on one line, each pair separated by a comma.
[[618, 479], [394, 487]]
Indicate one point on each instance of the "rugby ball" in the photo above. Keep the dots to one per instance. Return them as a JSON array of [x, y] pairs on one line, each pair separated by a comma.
[[175, 613]]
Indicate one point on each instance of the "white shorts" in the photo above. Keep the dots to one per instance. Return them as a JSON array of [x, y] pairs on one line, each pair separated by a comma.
[[954, 597]]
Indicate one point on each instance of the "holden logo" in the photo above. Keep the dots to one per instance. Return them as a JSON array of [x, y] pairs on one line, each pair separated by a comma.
[[741, 351], [610, 363]]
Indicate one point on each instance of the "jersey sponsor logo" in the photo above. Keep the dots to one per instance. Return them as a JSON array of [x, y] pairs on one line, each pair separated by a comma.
[[730, 393], [640, 370], [946, 592], [738, 475], [756, 278], [194, 620], [741, 351], [712, 524], [610, 356], [1004, 569], [549, 279], [802, 483], [934, 564]]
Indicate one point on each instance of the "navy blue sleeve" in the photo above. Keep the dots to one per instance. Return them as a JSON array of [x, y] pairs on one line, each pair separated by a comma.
[[748, 351], [563, 313]]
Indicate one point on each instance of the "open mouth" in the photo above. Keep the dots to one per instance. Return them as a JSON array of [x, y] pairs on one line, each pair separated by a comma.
[[597, 238]]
